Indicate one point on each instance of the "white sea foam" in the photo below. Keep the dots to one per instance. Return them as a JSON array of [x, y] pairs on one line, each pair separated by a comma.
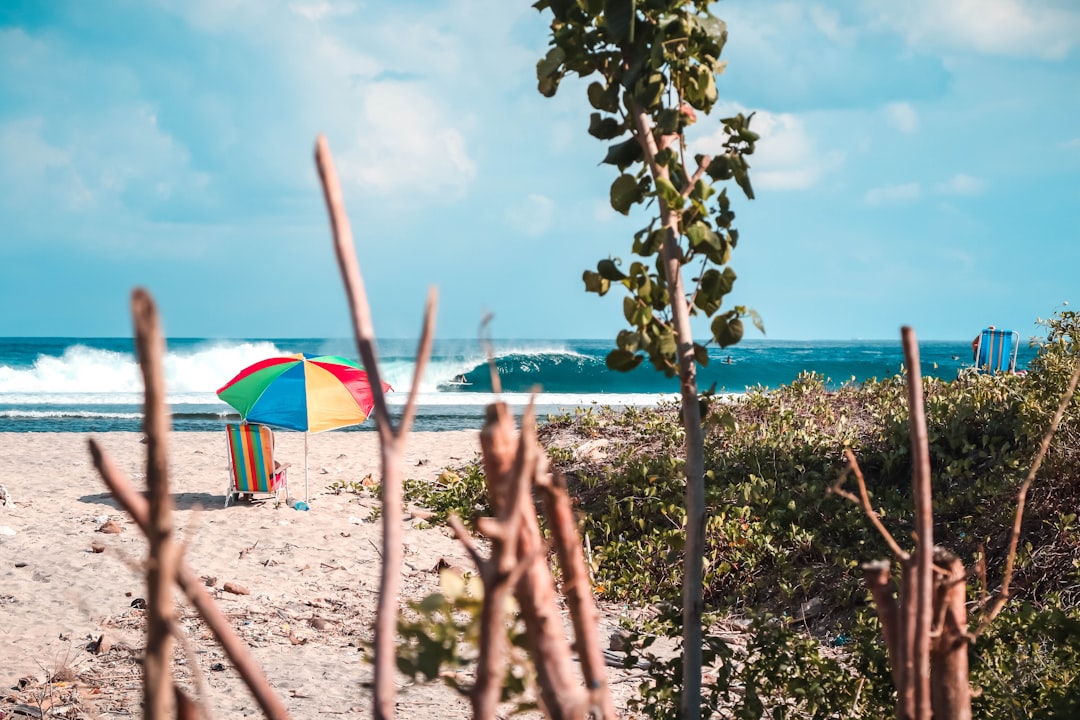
[[90, 374]]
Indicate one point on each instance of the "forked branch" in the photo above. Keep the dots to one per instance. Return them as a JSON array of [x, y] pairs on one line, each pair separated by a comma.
[[391, 439]]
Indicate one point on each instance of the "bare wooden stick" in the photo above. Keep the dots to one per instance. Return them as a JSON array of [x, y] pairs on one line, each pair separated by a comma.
[[951, 689], [878, 577], [863, 501], [423, 354], [576, 588], [202, 689], [354, 282], [924, 526], [235, 648], [905, 691], [1021, 499], [503, 455], [391, 440], [158, 701]]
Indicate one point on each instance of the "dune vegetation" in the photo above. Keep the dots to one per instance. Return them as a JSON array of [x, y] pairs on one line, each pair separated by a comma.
[[783, 552]]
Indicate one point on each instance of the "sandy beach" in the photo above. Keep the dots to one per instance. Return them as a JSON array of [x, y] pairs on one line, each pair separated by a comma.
[[312, 576]]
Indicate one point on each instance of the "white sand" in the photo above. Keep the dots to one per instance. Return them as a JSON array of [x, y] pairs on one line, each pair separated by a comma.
[[312, 576]]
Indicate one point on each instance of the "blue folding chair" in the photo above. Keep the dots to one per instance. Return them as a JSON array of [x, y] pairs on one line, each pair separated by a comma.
[[997, 351]]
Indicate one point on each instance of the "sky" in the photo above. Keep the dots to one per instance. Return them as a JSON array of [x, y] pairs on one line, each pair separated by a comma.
[[919, 165]]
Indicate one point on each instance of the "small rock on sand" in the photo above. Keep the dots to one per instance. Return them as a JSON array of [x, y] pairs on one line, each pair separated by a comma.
[[235, 589]]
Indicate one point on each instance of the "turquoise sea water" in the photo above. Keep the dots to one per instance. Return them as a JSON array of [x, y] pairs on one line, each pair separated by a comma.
[[94, 385]]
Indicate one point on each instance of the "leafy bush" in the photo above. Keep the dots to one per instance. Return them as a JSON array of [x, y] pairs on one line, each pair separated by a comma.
[[775, 537]]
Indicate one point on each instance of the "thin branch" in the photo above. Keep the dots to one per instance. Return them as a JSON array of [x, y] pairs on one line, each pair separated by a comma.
[[354, 283], [158, 699], [201, 687], [576, 588], [465, 538], [696, 176], [924, 525], [879, 580], [423, 354], [235, 648], [863, 501], [391, 440], [484, 335], [1021, 499]]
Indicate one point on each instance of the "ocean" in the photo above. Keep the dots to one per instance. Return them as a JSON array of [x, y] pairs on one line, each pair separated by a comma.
[[94, 385]]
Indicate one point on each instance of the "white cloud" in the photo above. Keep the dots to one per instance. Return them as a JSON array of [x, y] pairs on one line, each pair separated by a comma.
[[402, 109], [1019, 28], [532, 216], [827, 22], [962, 184], [785, 158], [315, 11], [902, 116], [404, 145], [1071, 144], [96, 162], [893, 194]]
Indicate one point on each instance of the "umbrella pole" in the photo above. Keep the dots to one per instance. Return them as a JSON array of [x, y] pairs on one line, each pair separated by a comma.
[[305, 469]]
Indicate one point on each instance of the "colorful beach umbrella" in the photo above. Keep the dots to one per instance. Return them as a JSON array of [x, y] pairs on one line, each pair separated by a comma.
[[309, 393]]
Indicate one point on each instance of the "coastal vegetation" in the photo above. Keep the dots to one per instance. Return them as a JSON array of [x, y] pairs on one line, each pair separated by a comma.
[[783, 553]]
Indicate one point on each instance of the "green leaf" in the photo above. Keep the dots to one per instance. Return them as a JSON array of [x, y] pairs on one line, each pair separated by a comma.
[[610, 271], [550, 63], [719, 168], [668, 193], [667, 121], [606, 99], [649, 90], [699, 233], [595, 283], [628, 340], [701, 354], [625, 192], [755, 316], [623, 154], [623, 361], [604, 128], [619, 20], [727, 329]]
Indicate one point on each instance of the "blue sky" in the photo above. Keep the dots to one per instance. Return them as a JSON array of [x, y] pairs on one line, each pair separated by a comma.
[[919, 164]]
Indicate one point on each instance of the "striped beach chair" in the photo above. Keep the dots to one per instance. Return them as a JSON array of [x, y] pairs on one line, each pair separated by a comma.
[[251, 462], [997, 350]]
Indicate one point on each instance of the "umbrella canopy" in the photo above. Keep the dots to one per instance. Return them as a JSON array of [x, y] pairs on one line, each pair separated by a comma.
[[310, 393]]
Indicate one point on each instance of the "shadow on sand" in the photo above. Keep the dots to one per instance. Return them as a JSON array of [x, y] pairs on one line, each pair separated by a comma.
[[181, 501]]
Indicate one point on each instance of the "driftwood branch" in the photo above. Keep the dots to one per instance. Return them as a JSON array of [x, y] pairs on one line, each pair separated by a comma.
[[878, 577], [423, 354], [391, 440], [577, 589], [951, 690], [235, 648], [359, 308], [510, 468], [1002, 597], [924, 526], [158, 698]]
